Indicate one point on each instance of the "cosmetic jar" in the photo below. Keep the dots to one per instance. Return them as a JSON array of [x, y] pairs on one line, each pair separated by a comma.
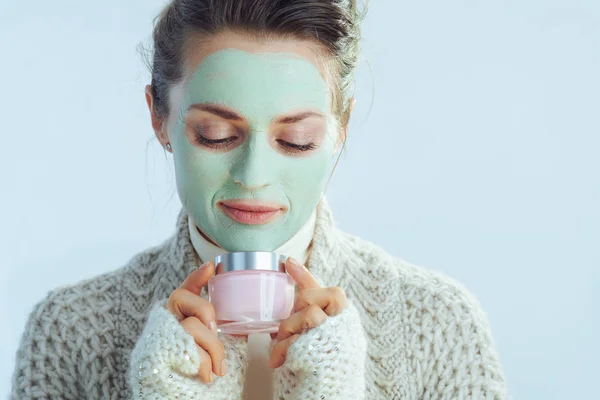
[[251, 292]]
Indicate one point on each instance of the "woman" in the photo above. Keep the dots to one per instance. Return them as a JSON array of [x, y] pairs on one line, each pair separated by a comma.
[[252, 99]]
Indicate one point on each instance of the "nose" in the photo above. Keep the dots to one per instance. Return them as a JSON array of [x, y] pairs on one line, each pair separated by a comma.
[[252, 169]]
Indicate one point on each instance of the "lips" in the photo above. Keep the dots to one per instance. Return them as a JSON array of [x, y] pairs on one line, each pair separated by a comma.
[[251, 212]]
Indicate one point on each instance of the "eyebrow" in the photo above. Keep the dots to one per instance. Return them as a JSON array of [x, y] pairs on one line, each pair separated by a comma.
[[215, 109], [298, 117], [232, 116]]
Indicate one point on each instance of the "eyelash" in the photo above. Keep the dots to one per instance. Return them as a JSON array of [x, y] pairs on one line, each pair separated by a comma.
[[222, 143], [216, 143], [295, 148]]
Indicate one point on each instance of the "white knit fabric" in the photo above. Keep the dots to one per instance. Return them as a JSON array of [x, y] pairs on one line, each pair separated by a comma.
[[327, 362], [165, 362], [426, 336]]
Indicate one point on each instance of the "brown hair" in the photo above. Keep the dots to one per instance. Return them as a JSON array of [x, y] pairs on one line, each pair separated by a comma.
[[334, 24]]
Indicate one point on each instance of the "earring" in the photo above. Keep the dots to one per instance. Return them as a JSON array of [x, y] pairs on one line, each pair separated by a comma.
[[168, 146]]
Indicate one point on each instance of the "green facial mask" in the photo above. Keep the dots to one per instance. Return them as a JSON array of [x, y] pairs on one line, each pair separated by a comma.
[[259, 87]]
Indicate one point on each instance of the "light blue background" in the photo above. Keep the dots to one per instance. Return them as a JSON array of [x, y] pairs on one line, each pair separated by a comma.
[[479, 158]]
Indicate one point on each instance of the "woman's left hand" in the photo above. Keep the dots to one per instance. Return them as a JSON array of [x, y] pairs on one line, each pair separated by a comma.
[[312, 306]]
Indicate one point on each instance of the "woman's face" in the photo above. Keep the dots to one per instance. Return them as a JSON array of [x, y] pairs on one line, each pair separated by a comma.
[[253, 139]]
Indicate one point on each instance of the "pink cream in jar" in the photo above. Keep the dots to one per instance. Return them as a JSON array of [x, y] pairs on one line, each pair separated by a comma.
[[251, 292]]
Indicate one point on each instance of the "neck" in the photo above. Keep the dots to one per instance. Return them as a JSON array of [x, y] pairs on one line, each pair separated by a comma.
[[298, 246]]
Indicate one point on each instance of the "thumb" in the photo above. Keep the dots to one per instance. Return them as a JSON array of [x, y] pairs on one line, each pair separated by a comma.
[[199, 278], [301, 275]]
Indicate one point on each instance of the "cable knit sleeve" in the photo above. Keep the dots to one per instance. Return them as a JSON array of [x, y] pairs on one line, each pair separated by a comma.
[[164, 362], [456, 351], [327, 362]]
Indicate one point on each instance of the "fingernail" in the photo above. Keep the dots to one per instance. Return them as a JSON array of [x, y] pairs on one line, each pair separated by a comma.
[[294, 262], [203, 266], [212, 325], [223, 367], [297, 265]]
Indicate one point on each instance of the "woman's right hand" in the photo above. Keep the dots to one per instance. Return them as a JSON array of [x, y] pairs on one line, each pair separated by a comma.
[[178, 349], [197, 316]]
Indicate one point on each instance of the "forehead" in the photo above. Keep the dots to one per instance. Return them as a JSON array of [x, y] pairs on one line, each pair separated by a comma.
[[249, 81], [200, 47], [273, 71]]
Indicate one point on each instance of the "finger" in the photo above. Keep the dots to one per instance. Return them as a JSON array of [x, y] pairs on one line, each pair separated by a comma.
[[205, 369], [279, 351], [199, 278], [210, 343], [182, 303], [300, 274], [332, 299], [301, 322]]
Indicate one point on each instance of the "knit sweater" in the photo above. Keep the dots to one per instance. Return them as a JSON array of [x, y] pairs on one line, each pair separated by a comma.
[[425, 336]]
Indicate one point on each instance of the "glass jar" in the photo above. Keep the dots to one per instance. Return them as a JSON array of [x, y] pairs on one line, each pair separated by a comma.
[[251, 292]]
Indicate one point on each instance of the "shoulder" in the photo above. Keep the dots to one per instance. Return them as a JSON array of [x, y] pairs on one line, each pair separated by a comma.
[[444, 331], [412, 285], [76, 307], [71, 326], [88, 305], [98, 295], [65, 323]]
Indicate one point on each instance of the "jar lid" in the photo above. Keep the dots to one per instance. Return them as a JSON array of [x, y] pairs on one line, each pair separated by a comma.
[[249, 261]]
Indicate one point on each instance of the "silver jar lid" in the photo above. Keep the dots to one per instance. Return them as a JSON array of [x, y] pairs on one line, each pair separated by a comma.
[[249, 261]]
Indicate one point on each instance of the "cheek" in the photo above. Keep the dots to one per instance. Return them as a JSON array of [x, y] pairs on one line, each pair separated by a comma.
[[310, 173], [203, 170], [306, 176]]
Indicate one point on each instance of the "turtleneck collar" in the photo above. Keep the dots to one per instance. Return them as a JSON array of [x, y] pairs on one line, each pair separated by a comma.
[[298, 246]]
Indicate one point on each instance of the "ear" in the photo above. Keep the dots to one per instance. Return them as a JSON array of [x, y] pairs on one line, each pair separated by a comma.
[[344, 129], [157, 123]]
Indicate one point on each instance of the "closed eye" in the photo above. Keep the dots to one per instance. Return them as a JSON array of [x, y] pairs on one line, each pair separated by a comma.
[[215, 143], [296, 148]]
